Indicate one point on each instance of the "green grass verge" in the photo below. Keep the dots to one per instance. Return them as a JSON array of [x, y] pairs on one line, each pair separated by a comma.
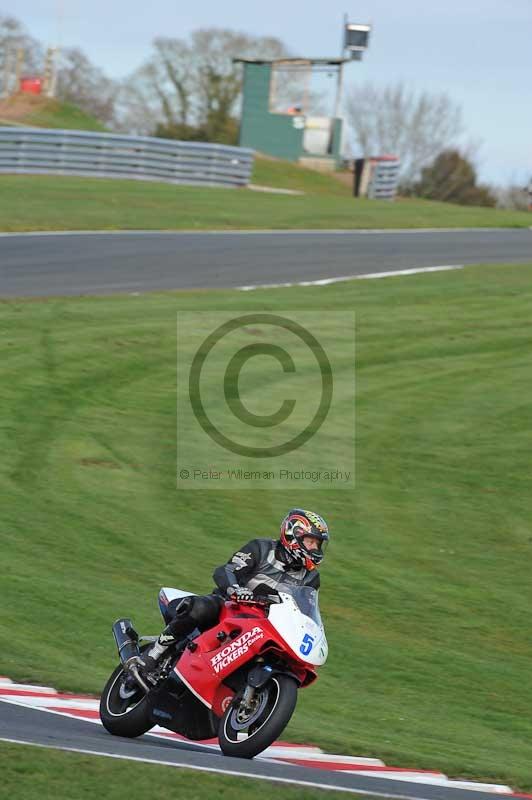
[[427, 590], [288, 175], [56, 203], [64, 115], [33, 773]]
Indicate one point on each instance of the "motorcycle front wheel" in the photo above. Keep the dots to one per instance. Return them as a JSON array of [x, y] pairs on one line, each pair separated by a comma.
[[246, 732], [123, 713]]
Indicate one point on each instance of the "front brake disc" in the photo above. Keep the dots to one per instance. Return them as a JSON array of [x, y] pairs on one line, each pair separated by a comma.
[[242, 718]]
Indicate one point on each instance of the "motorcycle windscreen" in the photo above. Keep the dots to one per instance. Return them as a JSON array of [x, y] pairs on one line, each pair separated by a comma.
[[297, 619], [166, 595]]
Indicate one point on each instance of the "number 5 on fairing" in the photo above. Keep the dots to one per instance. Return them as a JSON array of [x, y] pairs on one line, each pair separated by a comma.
[[306, 644]]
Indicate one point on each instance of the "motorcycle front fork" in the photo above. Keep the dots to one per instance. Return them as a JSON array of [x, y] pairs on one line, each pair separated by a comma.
[[248, 697]]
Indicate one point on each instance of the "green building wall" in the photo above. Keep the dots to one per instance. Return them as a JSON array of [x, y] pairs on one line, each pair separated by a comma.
[[337, 141], [271, 133], [274, 134]]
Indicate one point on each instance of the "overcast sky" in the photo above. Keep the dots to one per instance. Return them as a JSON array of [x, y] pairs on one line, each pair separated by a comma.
[[478, 52]]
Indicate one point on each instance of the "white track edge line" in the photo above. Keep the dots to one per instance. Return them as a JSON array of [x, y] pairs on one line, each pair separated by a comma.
[[208, 749], [259, 232], [342, 278], [217, 770]]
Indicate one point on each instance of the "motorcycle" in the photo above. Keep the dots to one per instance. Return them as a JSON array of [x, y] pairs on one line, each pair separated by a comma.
[[237, 681]]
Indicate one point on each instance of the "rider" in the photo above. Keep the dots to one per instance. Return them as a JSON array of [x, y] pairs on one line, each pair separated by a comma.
[[268, 563]]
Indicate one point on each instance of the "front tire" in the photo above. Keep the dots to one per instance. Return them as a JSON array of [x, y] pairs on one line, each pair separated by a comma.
[[128, 716], [274, 706]]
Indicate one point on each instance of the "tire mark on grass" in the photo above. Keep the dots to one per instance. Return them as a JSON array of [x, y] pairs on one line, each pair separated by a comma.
[[43, 410]]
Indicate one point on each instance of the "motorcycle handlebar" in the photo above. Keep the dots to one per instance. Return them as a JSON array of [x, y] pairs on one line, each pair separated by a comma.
[[261, 600]]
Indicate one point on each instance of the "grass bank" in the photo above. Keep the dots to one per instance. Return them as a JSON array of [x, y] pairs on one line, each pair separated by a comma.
[[45, 112], [426, 587], [60, 203]]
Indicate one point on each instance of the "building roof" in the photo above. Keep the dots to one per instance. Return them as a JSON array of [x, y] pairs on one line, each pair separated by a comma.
[[300, 60]]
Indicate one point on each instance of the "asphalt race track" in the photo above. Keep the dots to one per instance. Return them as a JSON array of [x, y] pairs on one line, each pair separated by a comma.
[[41, 265], [31, 726]]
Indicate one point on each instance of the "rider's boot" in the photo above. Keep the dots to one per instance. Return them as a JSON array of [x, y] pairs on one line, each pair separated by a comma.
[[180, 626], [150, 659]]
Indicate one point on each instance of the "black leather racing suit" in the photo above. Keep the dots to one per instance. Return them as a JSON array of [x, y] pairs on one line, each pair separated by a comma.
[[260, 563]]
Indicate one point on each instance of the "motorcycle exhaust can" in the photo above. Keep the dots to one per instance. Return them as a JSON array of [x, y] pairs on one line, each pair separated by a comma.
[[126, 639]]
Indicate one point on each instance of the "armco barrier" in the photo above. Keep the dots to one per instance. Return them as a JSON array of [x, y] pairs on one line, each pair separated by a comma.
[[37, 151]]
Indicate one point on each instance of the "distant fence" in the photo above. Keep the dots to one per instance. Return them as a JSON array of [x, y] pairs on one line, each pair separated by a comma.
[[37, 151]]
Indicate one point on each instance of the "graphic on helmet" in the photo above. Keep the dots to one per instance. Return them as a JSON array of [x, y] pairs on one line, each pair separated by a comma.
[[304, 537]]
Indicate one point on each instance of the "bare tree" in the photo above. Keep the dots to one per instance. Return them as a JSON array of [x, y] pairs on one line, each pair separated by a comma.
[[79, 81], [159, 91], [218, 79], [13, 40], [142, 103], [173, 72], [396, 120], [514, 196], [85, 85], [191, 83]]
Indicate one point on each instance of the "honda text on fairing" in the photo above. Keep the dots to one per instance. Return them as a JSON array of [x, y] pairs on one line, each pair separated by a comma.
[[237, 681]]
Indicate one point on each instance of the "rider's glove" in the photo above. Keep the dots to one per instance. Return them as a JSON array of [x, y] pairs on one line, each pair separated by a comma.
[[239, 593]]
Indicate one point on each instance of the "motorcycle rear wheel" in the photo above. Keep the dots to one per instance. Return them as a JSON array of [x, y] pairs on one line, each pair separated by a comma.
[[124, 716], [274, 706]]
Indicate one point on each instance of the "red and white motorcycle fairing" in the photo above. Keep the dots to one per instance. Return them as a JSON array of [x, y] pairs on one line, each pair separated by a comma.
[[290, 630]]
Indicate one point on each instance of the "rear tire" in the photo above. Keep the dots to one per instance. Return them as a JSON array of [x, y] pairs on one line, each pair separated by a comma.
[[276, 702], [124, 717]]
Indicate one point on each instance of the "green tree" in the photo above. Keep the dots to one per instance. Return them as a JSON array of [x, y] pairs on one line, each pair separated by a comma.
[[452, 178]]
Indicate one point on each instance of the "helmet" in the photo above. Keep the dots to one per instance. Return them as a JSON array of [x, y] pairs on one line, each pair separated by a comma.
[[295, 526]]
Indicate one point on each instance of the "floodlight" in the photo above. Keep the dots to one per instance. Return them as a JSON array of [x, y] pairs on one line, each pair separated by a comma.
[[356, 39]]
